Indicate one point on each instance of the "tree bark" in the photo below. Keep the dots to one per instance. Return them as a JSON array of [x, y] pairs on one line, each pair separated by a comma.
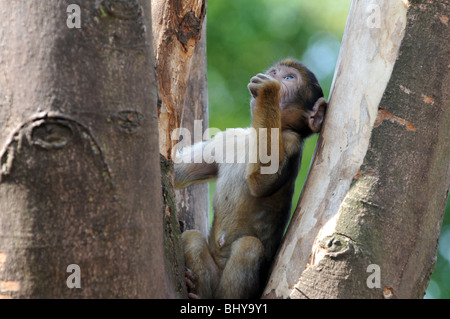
[[177, 28], [192, 201], [80, 175], [368, 221]]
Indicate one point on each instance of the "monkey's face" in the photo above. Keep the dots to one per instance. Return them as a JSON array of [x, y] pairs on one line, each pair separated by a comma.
[[289, 78], [290, 82]]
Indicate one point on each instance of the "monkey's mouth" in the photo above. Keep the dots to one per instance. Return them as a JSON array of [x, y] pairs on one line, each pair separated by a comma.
[[253, 92]]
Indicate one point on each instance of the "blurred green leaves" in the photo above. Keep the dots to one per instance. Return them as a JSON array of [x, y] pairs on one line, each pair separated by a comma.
[[246, 37]]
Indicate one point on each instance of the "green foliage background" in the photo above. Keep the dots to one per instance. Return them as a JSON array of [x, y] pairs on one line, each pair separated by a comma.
[[246, 37]]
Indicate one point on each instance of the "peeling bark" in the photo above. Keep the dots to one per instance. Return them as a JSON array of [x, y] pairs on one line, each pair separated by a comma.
[[192, 201], [177, 28], [180, 50]]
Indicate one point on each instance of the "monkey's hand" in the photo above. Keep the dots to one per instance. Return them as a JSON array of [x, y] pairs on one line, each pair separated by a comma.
[[263, 83]]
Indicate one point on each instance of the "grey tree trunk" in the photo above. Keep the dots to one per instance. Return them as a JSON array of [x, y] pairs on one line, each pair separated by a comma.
[[368, 221], [80, 175]]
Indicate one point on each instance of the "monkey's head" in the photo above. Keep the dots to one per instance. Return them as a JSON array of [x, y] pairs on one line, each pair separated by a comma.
[[301, 97]]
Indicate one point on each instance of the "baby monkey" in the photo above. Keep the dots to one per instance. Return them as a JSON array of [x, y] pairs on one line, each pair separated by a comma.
[[251, 208]]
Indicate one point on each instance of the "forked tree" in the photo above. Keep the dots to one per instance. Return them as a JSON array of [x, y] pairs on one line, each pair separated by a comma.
[[86, 173]]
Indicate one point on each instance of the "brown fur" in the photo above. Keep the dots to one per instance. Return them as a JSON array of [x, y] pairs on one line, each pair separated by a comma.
[[251, 209]]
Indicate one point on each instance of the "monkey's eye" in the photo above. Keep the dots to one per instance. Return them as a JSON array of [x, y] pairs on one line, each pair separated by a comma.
[[289, 77]]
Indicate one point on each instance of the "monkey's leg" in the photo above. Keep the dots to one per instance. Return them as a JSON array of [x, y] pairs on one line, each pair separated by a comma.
[[241, 276], [200, 262]]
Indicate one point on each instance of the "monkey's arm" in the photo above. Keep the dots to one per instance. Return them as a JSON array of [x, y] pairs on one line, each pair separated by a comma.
[[261, 185], [267, 115], [193, 165]]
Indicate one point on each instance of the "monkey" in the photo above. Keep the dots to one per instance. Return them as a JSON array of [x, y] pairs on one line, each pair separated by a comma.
[[252, 200]]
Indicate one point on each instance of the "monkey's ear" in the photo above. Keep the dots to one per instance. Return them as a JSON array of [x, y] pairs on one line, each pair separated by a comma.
[[316, 116]]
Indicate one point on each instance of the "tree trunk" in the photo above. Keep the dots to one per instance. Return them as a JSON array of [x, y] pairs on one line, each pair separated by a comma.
[[192, 201], [177, 28], [368, 221], [80, 176]]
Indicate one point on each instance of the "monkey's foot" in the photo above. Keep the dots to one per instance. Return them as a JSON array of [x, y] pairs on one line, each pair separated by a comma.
[[193, 296], [191, 279]]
